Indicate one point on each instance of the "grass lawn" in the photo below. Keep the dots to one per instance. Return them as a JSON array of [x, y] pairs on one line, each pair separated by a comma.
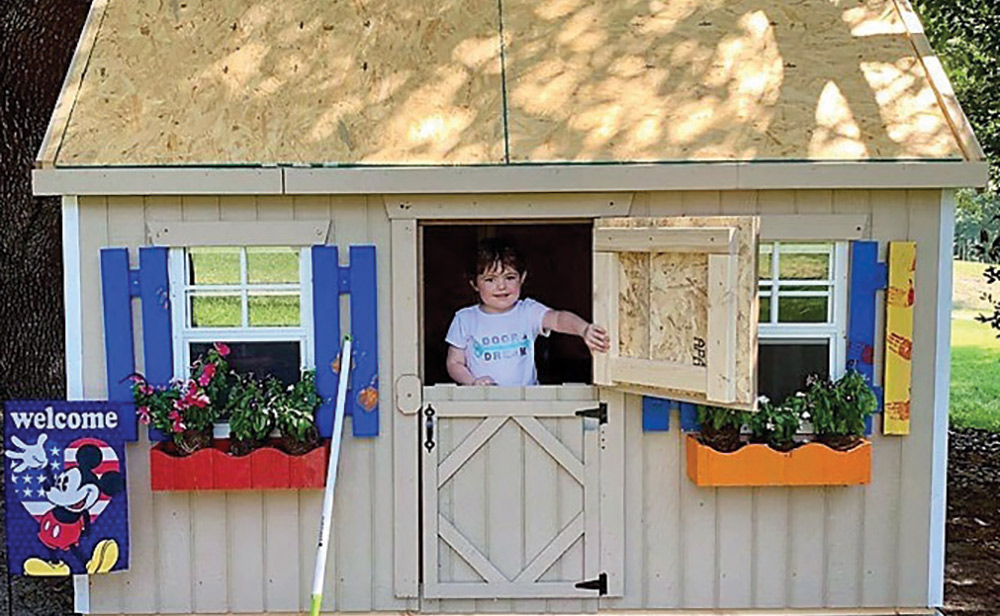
[[975, 355]]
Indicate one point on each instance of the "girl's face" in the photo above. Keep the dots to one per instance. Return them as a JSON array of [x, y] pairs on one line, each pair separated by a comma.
[[499, 288]]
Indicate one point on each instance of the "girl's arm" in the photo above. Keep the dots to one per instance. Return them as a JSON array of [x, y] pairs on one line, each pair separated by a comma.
[[458, 371], [566, 322]]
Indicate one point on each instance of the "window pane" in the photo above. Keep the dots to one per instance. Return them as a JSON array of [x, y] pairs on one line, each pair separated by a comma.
[[803, 265], [764, 261], [273, 309], [272, 265], [280, 359], [216, 311], [783, 368], [765, 309], [802, 309], [214, 265]]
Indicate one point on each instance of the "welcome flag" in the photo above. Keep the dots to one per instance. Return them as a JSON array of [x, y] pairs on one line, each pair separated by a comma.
[[64, 486]]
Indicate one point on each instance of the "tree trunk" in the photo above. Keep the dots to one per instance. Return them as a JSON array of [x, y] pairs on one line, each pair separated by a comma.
[[37, 39]]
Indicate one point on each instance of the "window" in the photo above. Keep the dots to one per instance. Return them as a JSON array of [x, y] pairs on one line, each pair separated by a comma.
[[256, 299], [803, 314]]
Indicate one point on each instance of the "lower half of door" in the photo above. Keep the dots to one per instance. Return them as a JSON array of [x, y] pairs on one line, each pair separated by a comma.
[[511, 495]]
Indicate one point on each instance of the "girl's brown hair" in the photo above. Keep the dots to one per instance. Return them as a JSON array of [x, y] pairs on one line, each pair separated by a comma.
[[497, 250]]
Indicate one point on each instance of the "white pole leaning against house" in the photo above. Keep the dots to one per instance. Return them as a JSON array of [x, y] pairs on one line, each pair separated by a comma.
[[326, 515]]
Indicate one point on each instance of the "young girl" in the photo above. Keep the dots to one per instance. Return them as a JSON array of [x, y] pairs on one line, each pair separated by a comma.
[[493, 342]]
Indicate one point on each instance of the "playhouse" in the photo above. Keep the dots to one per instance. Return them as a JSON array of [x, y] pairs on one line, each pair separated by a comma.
[[716, 182]]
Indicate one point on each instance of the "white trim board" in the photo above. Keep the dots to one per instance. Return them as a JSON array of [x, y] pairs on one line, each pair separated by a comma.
[[256, 233], [157, 181], [942, 380], [508, 178], [72, 296]]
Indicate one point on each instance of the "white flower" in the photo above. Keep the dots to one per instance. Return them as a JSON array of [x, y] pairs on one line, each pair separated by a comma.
[[763, 399], [805, 415], [770, 425], [800, 394]]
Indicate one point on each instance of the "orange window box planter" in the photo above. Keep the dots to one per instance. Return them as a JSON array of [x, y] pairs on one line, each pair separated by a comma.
[[812, 464], [266, 468]]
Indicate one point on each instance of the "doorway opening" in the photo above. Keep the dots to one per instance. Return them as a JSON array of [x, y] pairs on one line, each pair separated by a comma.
[[559, 263]]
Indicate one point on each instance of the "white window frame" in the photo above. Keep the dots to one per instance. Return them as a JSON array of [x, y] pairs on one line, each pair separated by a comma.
[[183, 335], [834, 330]]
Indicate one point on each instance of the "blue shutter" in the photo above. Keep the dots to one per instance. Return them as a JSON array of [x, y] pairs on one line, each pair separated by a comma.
[[116, 295], [330, 281], [326, 332], [689, 417], [867, 277], [656, 414], [157, 339], [364, 401]]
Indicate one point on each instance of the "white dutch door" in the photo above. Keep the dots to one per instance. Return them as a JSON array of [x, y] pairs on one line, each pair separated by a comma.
[[522, 488]]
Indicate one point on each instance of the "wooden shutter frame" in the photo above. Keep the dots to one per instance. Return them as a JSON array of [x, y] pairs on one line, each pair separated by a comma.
[[717, 379]]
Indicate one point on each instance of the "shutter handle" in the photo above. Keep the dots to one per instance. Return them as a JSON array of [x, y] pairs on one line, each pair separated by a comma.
[[429, 427]]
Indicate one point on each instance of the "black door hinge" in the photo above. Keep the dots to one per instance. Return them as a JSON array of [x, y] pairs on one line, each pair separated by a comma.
[[600, 584], [600, 413]]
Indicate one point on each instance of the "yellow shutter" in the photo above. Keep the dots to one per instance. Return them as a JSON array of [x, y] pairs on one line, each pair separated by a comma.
[[679, 299]]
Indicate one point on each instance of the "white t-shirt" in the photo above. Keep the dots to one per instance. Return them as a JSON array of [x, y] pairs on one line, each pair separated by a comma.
[[500, 346]]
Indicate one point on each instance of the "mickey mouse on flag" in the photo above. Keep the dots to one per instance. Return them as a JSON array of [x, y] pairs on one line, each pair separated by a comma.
[[65, 504]]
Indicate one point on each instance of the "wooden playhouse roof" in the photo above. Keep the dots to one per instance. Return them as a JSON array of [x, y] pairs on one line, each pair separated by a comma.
[[477, 82]]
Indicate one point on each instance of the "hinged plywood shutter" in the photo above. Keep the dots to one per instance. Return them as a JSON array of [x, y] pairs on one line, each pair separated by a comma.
[[679, 298]]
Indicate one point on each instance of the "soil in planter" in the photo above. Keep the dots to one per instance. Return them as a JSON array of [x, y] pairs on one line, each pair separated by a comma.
[[189, 441], [240, 447], [295, 447], [839, 442], [725, 440]]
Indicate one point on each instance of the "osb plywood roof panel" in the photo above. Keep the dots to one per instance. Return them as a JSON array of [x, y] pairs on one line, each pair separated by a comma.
[[251, 81], [385, 82]]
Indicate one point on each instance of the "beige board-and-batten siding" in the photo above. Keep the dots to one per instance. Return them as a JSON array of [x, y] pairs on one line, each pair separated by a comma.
[[685, 547]]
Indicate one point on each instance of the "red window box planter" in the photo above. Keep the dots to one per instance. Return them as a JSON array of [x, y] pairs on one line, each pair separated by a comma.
[[812, 464], [266, 468]]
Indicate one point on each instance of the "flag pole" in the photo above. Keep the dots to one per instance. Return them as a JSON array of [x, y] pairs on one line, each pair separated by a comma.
[[326, 515]]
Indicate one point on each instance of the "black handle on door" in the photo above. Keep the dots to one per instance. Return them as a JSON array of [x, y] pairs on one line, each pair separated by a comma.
[[429, 427]]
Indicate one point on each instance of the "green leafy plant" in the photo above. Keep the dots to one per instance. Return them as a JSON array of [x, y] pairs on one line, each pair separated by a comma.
[[252, 414], [838, 410], [295, 408], [720, 427], [776, 424]]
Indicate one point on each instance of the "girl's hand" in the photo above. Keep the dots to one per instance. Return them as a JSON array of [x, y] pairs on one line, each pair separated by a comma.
[[484, 380], [596, 338]]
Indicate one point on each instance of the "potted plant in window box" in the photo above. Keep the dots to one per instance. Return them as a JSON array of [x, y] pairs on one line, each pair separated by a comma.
[[294, 416], [720, 428], [249, 459], [180, 409], [774, 457], [838, 410], [776, 425], [251, 415]]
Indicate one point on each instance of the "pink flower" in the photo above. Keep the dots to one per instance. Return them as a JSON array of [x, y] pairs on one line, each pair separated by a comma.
[[178, 425], [206, 375], [194, 397], [136, 378], [145, 390], [143, 412], [222, 348]]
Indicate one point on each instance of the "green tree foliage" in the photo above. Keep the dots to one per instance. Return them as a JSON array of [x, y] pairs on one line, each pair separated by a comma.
[[974, 212], [966, 36]]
